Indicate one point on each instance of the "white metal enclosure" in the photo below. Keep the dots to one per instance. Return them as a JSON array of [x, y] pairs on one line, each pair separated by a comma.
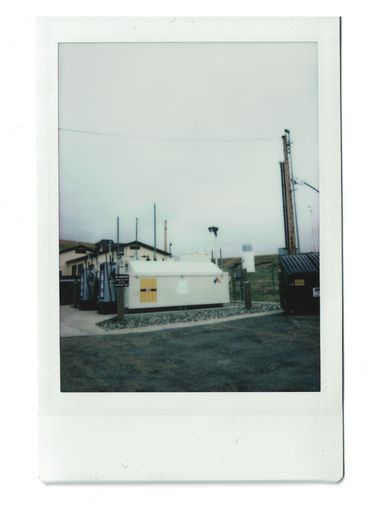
[[171, 284]]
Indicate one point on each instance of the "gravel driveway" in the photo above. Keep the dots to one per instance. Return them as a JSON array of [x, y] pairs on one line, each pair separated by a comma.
[[268, 353]]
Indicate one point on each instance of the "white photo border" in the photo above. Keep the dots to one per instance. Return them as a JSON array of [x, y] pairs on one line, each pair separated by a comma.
[[101, 437]]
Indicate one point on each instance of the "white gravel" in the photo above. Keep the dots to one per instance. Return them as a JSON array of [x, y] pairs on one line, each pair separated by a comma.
[[189, 315]]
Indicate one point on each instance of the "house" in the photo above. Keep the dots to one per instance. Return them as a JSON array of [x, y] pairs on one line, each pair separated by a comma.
[[73, 258], [69, 250]]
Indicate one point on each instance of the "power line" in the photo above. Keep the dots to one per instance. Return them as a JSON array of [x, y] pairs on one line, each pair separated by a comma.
[[159, 138]]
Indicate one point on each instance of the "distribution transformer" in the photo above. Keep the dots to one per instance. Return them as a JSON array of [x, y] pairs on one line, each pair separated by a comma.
[[88, 287], [154, 285], [106, 296]]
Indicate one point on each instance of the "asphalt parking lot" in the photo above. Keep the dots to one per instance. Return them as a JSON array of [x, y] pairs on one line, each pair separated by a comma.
[[271, 353]]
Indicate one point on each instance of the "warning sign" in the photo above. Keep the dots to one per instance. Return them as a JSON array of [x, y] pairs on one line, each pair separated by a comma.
[[122, 280]]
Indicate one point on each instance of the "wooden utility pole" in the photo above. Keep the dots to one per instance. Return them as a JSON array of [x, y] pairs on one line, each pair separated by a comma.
[[290, 218]]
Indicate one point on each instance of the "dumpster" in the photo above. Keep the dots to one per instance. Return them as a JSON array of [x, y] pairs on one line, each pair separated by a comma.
[[299, 283]]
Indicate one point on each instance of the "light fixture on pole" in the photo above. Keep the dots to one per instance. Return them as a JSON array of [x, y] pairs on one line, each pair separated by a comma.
[[214, 230], [303, 183]]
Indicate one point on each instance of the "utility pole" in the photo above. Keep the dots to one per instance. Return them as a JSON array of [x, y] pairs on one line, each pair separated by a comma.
[[284, 205], [290, 229], [293, 189]]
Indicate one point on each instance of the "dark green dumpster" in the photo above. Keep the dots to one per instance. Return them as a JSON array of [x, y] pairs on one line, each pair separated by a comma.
[[299, 283]]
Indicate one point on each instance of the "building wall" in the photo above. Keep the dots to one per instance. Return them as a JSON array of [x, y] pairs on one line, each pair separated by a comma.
[[129, 254], [64, 258]]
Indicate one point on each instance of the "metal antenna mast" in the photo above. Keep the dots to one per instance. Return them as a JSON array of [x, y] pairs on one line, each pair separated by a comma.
[[165, 235], [136, 238], [154, 230], [118, 252]]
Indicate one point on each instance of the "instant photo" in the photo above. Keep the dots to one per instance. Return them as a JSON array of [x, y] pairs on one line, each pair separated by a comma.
[[195, 266]]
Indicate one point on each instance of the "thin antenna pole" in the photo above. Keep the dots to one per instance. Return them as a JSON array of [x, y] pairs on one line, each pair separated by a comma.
[[154, 230], [117, 237], [165, 235], [136, 238]]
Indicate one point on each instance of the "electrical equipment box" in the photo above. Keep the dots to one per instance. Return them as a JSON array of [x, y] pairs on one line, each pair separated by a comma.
[[175, 285], [88, 288], [106, 295]]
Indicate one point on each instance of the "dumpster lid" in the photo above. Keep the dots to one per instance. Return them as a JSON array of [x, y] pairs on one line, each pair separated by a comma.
[[306, 263]]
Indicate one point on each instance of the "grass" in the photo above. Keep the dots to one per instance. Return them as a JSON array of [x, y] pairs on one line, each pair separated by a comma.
[[264, 282]]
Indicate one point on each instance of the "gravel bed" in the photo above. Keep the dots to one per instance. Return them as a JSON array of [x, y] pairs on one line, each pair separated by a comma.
[[189, 315]]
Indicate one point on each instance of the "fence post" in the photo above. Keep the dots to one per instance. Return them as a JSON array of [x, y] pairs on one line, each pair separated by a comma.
[[120, 296], [246, 289], [233, 284], [273, 279]]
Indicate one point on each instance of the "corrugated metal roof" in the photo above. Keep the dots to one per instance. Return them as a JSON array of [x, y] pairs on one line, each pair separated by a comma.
[[173, 268], [307, 263]]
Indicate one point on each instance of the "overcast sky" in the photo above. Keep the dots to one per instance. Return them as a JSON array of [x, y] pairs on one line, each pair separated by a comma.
[[194, 127]]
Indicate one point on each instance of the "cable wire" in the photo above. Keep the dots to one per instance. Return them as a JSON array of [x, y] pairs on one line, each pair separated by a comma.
[[170, 139]]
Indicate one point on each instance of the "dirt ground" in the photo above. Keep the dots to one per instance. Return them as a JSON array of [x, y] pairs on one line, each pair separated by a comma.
[[263, 354]]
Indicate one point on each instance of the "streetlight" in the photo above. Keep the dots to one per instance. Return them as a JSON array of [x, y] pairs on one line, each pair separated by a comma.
[[303, 183]]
